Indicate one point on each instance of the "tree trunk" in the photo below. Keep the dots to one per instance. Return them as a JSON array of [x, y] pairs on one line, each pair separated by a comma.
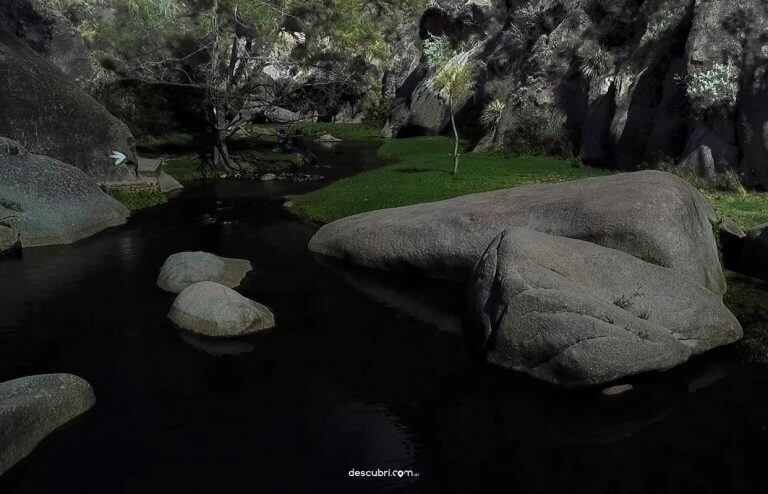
[[218, 130], [455, 140]]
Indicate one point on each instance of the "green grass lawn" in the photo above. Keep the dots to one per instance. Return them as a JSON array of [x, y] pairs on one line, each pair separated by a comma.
[[748, 210], [422, 174], [138, 199], [343, 131]]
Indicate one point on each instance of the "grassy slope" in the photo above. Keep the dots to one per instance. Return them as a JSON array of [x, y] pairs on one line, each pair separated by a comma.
[[748, 210], [422, 174]]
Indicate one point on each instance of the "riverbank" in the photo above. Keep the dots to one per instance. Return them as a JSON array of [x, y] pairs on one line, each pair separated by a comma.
[[420, 172]]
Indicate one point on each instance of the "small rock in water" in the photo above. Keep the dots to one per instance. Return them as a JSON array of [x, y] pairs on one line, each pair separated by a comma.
[[211, 309], [327, 138], [184, 269], [268, 176], [617, 390]]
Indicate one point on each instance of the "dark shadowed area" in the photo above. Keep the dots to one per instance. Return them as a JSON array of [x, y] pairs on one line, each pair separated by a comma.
[[363, 371]]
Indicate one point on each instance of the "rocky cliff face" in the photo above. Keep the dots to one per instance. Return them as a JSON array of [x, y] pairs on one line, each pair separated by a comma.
[[637, 81], [51, 35]]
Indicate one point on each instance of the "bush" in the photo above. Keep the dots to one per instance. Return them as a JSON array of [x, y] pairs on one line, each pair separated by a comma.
[[492, 114], [596, 61], [377, 114], [663, 21], [537, 130], [716, 88]]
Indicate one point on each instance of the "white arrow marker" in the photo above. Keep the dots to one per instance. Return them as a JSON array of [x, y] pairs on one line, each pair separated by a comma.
[[118, 157]]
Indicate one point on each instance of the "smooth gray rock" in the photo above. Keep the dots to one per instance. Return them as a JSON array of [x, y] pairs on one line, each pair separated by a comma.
[[619, 389], [268, 177], [184, 269], [577, 314], [45, 112], [49, 202], [211, 309], [9, 240], [167, 183], [327, 138], [652, 215], [33, 407]]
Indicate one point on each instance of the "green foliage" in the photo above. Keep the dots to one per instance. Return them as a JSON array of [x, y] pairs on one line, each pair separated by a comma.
[[341, 27], [596, 61], [537, 130], [665, 19], [712, 89], [453, 71], [529, 15], [419, 175], [376, 114], [138, 199], [492, 114], [437, 50]]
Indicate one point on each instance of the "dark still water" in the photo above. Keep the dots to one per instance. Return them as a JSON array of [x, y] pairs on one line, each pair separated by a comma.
[[364, 371]]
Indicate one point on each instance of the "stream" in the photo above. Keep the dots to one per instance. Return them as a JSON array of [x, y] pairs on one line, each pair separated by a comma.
[[364, 371]]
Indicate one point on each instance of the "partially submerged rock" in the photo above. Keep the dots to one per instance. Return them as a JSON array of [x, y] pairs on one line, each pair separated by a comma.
[[48, 202], [624, 212], [167, 183], [184, 269], [327, 138], [9, 240], [619, 389], [211, 309], [577, 314], [33, 407]]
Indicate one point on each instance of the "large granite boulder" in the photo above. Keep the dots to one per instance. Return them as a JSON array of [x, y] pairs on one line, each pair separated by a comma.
[[184, 269], [577, 314], [652, 215], [48, 202], [211, 309], [46, 30], [33, 407], [45, 112]]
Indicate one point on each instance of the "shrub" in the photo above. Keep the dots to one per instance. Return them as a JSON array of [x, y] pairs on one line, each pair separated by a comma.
[[492, 114], [716, 88], [537, 130], [596, 61], [376, 114], [528, 16], [663, 21]]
